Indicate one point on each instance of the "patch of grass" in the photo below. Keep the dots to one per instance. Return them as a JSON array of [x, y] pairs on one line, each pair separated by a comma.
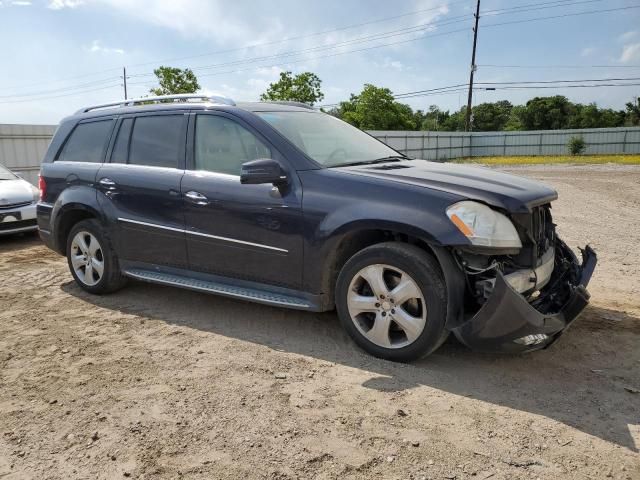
[[549, 159]]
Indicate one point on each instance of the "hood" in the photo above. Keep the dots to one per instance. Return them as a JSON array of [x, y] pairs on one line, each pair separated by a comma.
[[511, 192], [15, 191]]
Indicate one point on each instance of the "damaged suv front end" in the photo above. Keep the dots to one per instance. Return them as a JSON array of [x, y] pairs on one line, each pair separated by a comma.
[[523, 285]]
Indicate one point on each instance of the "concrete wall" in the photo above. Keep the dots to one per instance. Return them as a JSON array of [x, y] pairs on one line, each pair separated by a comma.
[[22, 147]]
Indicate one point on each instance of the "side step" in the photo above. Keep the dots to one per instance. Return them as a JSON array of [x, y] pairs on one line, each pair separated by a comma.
[[245, 293]]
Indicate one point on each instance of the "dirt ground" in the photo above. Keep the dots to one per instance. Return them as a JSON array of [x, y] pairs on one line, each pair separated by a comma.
[[156, 382]]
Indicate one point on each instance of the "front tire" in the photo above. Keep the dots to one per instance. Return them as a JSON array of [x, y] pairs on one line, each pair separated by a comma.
[[391, 299], [92, 261]]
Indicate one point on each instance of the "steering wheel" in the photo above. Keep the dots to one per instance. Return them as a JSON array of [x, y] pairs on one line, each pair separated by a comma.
[[336, 152]]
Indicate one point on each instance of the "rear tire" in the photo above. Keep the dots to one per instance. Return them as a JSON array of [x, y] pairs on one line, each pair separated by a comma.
[[391, 299], [92, 261]]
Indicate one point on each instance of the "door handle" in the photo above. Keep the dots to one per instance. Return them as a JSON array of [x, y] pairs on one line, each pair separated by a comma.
[[107, 182], [196, 198]]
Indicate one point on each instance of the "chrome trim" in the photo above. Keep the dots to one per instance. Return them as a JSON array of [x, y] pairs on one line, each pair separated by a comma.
[[226, 239], [213, 290], [153, 225], [199, 234]]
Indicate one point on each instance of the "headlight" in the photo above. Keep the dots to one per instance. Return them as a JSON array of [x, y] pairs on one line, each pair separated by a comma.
[[483, 226], [36, 193]]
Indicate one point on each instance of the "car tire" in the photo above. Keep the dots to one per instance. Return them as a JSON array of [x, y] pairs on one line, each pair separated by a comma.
[[403, 332], [92, 261]]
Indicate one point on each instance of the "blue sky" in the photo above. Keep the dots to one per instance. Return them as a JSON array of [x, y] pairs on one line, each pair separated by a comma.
[[59, 55]]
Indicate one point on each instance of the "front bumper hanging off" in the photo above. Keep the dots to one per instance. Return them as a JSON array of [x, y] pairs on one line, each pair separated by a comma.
[[508, 323]]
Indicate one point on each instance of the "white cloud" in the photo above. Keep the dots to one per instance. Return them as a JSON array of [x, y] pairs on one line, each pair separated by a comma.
[[96, 47], [588, 51], [390, 65], [627, 36], [21, 3], [60, 4], [211, 19], [630, 53]]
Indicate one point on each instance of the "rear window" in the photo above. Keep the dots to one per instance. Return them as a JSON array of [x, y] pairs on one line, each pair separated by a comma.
[[157, 141], [87, 142]]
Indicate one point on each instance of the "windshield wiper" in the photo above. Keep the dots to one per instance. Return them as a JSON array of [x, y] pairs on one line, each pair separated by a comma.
[[392, 158]]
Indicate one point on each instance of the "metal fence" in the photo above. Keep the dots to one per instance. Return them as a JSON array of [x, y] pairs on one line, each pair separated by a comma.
[[448, 145], [22, 147]]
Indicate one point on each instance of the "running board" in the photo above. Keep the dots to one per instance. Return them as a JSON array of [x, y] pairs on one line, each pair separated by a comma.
[[250, 294]]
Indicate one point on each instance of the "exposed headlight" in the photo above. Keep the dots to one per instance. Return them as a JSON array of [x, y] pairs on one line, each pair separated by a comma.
[[483, 226]]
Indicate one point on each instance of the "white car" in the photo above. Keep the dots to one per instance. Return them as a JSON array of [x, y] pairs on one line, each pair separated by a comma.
[[18, 200]]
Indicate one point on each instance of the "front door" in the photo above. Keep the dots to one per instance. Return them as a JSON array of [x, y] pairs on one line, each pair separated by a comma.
[[139, 189], [248, 232]]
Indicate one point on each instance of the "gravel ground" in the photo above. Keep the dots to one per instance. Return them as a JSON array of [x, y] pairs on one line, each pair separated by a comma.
[[155, 382]]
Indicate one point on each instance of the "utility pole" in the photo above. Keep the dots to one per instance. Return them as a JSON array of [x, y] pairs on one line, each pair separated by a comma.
[[467, 123], [124, 77]]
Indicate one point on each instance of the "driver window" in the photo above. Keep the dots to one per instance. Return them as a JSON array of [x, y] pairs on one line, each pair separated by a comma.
[[222, 146]]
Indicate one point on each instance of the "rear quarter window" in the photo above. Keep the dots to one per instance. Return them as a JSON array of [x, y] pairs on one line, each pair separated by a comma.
[[87, 142]]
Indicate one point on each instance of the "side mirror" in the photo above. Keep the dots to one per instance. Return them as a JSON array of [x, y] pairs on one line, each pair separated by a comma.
[[263, 170]]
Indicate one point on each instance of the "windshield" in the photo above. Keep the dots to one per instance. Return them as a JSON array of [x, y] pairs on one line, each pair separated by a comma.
[[6, 174], [327, 140]]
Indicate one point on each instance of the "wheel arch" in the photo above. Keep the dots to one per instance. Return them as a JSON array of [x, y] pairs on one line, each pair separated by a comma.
[[69, 215], [353, 240]]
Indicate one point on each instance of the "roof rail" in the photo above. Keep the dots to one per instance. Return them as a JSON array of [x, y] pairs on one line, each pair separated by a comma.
[[184, 97], [291, 103]]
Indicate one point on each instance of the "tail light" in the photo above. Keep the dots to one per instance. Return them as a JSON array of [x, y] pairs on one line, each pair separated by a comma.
[[42, 186]]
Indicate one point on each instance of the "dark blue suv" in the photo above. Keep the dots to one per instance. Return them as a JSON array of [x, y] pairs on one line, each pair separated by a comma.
[[280, 204]]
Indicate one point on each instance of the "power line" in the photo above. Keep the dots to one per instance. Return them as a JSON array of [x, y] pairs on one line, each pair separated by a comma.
[[117, 85], [346, 27], [537, 6], [62, 89], [289, 62], [575, 14], [557, 66], [379, 36], [523, 85], [385, 35], [275, 42], [562, 81], [367, 39]]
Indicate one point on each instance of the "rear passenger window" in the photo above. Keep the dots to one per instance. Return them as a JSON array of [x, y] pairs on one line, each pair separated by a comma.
[[222, 145], [87, 142], [157, 141], [121, 147]]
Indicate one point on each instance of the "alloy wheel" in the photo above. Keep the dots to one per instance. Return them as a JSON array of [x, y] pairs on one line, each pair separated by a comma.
[[387, 306], [87, 258]]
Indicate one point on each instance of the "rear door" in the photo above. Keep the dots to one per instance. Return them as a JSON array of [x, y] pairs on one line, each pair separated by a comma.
[[250, 232], [140, 188]]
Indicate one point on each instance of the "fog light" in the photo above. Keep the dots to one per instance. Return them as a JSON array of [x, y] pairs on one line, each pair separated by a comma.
[[529, 340]]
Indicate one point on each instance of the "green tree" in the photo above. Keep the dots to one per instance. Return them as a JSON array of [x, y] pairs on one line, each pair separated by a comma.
[[304, 87], [175, 80], [376, 109], [435, 119], [491, 117], [456, 121], [633, 113], [547, 113], [514, 122]]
